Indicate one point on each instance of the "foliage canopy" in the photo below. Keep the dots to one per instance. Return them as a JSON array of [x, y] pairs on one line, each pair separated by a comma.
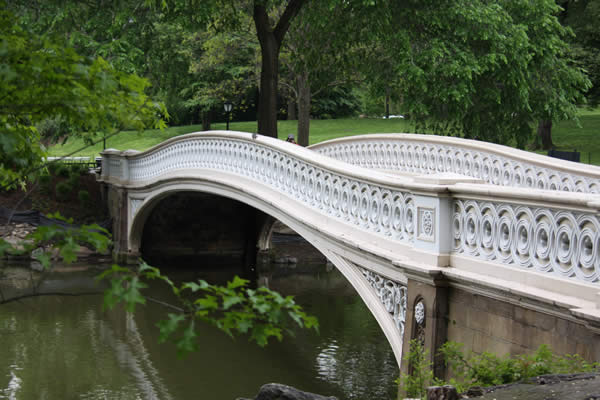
[[479, 69], [41, 79]]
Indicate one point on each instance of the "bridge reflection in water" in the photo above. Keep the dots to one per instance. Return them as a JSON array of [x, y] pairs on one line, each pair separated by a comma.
[[443, 238], [69, 347]]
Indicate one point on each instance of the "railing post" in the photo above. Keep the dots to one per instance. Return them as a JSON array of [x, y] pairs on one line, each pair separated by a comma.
[[433, 226], [108, 156], [434, 216], [125, 171]]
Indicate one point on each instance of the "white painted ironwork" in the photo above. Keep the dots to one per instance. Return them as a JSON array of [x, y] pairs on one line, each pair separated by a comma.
[[426, 224], [559, 242], [539, 245], [420, 313], [369, 206], [494, 164], [392, 295], [550, 233]]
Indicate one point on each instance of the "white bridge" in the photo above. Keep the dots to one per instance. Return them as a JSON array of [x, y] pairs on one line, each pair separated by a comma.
[[443, 238]]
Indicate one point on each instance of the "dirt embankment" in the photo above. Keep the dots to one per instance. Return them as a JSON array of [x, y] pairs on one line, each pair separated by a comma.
[[72, 192]]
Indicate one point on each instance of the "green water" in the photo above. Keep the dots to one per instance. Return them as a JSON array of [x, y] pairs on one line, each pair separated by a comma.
[[68, 347]]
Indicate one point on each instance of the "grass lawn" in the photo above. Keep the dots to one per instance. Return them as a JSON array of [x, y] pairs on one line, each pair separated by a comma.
[[585, 139], [566, 135]]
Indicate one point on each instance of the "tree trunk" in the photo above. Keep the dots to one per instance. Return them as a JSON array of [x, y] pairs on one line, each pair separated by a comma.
[[267, 96], [291, 109], [270, 40], [545, 134], [387, 102], [303, 109], [206, 120]]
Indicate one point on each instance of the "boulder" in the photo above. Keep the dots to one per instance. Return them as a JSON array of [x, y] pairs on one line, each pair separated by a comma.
[[276, 391]]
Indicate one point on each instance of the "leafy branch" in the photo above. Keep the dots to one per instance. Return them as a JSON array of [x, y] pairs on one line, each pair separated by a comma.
[[66, 240], [235, 309]]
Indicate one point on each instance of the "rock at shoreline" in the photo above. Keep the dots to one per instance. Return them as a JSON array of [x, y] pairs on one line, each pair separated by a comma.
[[580, 386], [276, 391]]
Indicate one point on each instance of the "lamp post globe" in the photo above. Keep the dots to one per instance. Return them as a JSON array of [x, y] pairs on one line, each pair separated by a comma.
[[228, 106]]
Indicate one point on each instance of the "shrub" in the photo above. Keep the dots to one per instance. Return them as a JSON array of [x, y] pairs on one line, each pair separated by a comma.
[[63, 170], [45, 182], [63, 190], [415, 384], [44, 179], [79, 169], [53, 168], [486, 369], [84, 197], [74, 178]]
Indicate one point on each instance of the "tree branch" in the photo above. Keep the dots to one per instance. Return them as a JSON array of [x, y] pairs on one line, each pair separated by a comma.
[[292, 9], [287, 85], [25, 296]]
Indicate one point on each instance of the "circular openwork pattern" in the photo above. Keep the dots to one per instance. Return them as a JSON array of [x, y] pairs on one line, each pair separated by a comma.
[[420, 313], [367, 206], [391, 294], [428, 158], [559, 242], [564, 243]]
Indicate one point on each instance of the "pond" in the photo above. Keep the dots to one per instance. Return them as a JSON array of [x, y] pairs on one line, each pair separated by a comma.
[[68, 347]]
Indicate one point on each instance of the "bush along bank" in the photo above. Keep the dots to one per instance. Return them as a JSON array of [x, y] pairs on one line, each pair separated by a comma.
[[475, 374]]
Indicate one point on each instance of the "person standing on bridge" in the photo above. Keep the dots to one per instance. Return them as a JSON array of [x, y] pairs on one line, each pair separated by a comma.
[[291, 139]]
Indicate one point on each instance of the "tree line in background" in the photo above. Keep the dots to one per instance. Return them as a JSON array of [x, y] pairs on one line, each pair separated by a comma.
[[494, 71]]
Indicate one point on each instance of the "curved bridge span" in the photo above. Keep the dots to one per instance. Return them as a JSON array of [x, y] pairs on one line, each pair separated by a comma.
[[415, 222]]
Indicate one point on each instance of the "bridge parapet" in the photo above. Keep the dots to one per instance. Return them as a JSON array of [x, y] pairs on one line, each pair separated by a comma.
[[382, 206], [524, 241], [492, 163]]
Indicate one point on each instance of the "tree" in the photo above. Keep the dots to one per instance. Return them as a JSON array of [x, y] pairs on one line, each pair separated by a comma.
[[486, 70], [223, 66], [39, 78], [272, 19], [270, 36], [313, 69], [582, 17], [87, 93]]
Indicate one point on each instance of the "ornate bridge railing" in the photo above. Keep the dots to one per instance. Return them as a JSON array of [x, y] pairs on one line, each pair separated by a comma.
[[540, 243], [494, 164]]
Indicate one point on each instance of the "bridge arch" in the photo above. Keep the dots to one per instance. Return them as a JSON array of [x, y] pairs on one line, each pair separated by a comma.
[[389, 322], [265, 234], [400, 213]]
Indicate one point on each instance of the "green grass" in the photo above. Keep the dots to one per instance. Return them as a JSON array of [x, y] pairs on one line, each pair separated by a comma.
[[585, 139], [320, 130], [566, 135]]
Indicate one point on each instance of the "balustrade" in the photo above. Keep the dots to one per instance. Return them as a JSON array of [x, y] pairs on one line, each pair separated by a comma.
[[529, 230], [494, 164]]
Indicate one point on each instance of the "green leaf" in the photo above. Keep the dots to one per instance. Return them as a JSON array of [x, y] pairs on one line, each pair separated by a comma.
[[187, 343], [207, 302], [44, 258], [169, 326], [5, 247], [237, 282], [193, 286], [231, 300], [132, 295]]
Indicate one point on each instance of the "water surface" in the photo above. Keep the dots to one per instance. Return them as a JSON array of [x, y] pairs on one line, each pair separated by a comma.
[[68, 347]]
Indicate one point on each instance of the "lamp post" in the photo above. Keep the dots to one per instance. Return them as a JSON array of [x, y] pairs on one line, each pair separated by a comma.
[[228, 106]]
